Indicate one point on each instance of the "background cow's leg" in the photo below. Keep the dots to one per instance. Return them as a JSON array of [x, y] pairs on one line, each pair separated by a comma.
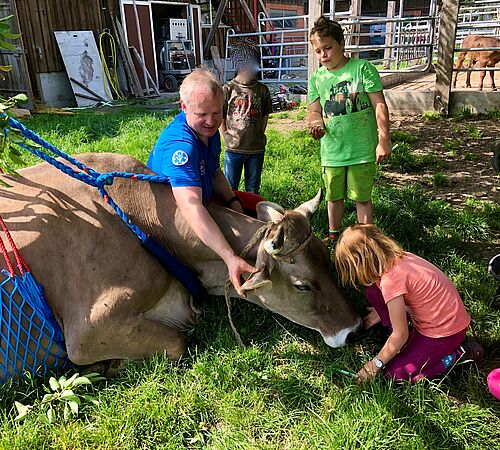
[[492, 76], [461, 57], [469, 66], [482, 74]]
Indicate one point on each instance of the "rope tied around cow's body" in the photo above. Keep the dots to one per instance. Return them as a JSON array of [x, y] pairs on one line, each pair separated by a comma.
[[261, 233]]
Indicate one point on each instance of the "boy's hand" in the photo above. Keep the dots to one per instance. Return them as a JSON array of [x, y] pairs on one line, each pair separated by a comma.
[[317, 132], [383, 151]]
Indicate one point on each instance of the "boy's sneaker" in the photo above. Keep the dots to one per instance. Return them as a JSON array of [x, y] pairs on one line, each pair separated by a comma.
[[472, 351]]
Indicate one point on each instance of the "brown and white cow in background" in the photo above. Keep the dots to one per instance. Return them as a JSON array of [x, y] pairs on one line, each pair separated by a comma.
[[113, 300], [486, 58]]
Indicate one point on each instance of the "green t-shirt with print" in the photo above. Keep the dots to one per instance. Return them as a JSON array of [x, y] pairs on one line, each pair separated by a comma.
[[351, 129]]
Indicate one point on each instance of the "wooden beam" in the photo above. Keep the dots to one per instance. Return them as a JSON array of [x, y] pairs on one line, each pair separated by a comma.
[[446, 47], [215, 25], [218, 64], [141, 47], [247, 11], [389, 33], [355, 28], [315, 12]]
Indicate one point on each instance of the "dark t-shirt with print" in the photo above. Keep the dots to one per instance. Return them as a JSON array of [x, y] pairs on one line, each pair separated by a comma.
[[245, 106]]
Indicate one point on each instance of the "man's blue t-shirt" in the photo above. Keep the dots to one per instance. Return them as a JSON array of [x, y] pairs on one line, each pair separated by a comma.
[[182, 157]]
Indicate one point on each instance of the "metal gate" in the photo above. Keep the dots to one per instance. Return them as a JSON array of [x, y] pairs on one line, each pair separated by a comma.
[[394, 43]]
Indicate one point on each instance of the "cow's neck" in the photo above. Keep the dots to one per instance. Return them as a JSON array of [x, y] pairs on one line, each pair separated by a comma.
[[168, 226]]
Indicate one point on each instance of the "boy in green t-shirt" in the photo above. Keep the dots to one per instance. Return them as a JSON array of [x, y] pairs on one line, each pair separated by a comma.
[[347, 111]]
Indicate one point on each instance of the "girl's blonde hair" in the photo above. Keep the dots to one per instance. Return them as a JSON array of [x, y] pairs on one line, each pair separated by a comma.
[[364, 253]]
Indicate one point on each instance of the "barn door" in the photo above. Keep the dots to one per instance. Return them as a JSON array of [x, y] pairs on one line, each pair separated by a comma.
[[195, 12], [17, 80], [146, 25]]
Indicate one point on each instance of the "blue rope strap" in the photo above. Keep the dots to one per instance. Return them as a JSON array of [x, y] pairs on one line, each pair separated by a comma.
[[100, 180]]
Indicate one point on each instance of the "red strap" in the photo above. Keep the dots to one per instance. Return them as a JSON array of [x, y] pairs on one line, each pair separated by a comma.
[[21, 265]]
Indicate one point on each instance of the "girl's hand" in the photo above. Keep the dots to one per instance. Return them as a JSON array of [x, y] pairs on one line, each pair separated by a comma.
[[383, 151], [317, 132], [367, 372], [371, 319]]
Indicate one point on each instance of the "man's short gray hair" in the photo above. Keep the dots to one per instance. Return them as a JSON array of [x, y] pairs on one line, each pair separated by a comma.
[[201, 77]]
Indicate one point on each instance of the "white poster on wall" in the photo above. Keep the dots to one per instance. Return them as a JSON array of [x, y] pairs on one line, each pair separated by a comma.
[[83, 66]]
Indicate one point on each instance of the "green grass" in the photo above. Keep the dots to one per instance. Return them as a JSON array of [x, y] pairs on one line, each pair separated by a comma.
[[439, 179], [282, 391], [404, 159]]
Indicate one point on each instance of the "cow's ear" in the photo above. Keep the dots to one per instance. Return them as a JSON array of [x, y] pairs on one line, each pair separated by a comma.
[[270, 212], [310, 207], [257, 280]]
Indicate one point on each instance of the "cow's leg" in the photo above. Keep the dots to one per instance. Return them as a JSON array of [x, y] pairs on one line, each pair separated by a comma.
[[461, 57], [482, 75], [469, 66], [492, 76], [129, 338]]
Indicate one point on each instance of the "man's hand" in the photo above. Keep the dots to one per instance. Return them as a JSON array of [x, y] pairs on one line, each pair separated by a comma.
[[383, 151], [371, 319], [367, 372], [236, 268]]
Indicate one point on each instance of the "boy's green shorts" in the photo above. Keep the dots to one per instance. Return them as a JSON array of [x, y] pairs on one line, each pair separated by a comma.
[[354, 182]]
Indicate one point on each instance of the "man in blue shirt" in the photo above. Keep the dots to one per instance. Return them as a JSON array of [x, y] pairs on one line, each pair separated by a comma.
[[188, 153]]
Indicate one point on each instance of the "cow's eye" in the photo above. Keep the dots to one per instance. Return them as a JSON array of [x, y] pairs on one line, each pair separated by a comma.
[[301, 287]]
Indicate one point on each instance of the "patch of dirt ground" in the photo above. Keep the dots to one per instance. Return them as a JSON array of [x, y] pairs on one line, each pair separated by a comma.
[[464, 149]]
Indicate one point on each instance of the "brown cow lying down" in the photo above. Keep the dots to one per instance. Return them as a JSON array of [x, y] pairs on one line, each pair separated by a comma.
[[113, 300], [486, 58]]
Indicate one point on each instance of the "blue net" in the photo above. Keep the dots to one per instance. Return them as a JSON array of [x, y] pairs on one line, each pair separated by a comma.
[[30, 338]]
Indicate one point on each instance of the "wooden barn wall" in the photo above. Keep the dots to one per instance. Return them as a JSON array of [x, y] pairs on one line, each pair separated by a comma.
[[39, 19]]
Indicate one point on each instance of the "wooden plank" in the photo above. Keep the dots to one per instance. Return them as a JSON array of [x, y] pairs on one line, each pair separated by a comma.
[[315, 11], [145, 69], [219, 66], [82, 61], [133, 78], [389, 36], [247, 11], [356, 6], [446, 46], [215, 25]]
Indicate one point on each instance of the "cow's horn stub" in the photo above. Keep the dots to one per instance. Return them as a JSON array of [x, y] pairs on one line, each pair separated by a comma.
[[275, 245]]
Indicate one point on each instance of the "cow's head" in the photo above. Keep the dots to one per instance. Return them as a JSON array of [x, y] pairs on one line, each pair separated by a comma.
[[293, 278]]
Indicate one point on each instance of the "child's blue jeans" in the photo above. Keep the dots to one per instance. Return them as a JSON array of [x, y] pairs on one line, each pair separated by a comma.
[[233, 167]]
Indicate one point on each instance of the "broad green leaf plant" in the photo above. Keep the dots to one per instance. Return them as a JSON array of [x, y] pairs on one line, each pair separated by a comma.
[[10, 155], [64, 395]]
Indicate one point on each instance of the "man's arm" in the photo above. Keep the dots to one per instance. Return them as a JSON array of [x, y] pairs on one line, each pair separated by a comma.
[[377, 100], [189, 201], [223, 191]]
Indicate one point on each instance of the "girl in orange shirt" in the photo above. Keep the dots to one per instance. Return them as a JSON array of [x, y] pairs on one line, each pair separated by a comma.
[[399, 284]]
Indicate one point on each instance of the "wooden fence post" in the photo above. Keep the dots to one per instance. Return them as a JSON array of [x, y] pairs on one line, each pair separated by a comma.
[[446, 47], [315, 11], [389, 33]]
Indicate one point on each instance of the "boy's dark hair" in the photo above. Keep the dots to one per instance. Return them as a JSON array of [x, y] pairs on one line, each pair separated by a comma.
[[324, 27], [245, 54]]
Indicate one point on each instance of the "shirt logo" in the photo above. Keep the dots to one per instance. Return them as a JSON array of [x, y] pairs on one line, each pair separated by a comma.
[[202, 168], [179, 158]]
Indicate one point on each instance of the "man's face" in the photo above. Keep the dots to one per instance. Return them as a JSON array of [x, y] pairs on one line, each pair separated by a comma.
[[203, 112]]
